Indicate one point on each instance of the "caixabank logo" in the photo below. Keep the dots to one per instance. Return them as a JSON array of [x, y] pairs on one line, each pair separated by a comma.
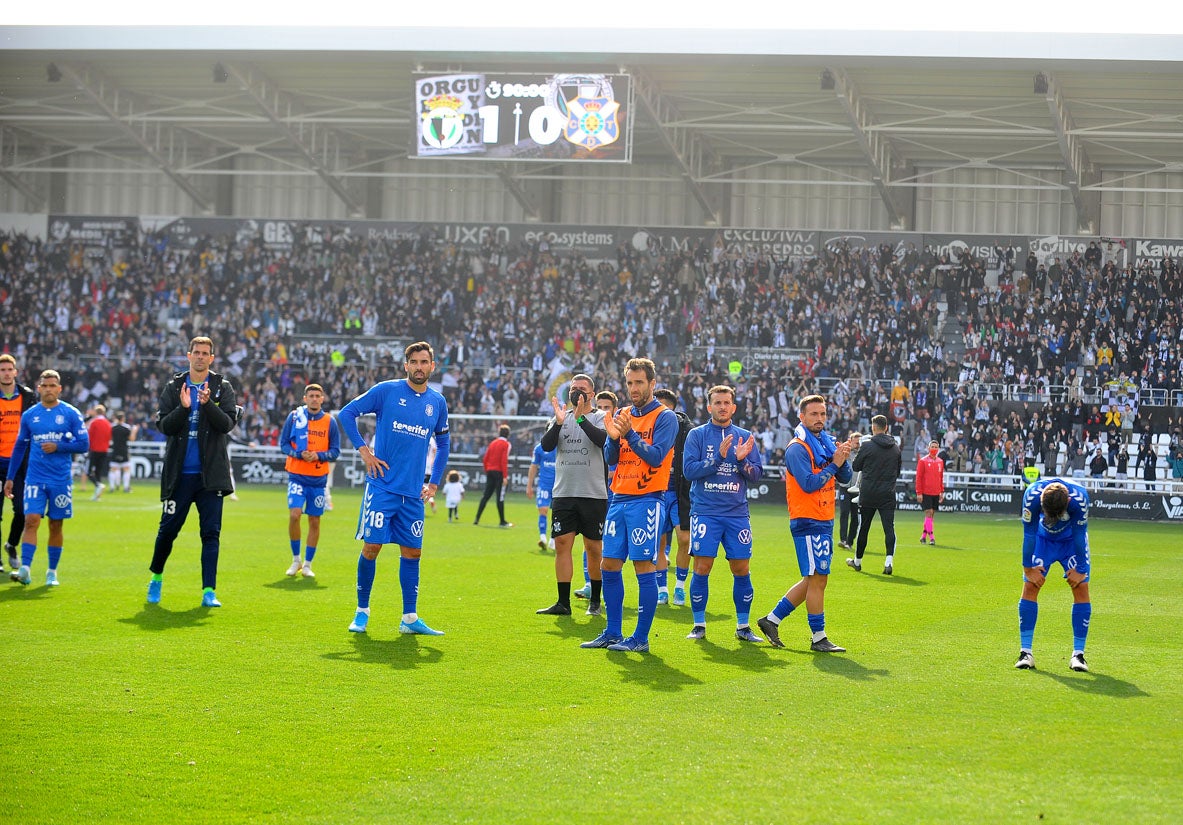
[[1173, 507]]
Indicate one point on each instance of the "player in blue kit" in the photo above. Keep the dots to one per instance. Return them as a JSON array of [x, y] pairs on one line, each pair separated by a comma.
[[720, 460], [51, 432], [539, 483], [409, 413], [1055, 529]]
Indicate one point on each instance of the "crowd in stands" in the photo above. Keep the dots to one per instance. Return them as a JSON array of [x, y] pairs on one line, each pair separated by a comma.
[[873, 328]]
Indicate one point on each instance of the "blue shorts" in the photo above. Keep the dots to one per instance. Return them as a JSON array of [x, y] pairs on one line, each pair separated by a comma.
[[53, 500], [1048, 553], [814, 551], [630, 530], [542, 497], [708, 532], [389, 518], [303, 497]]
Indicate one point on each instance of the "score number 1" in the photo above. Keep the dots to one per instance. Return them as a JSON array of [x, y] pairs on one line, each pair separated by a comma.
[[544, 125]]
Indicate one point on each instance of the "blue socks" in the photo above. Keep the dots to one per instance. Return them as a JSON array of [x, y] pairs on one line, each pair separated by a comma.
[[646, 605], [613, 593], [1081, 613], [586, 577], [408, 579], [817, 624], [699, 592], [1028, 613], [782, 610], [366, 568], [295, 546], [742, 593], [309, 552], [27, 553], [541, 524], [55, 555], [680, 574], [663, 579]]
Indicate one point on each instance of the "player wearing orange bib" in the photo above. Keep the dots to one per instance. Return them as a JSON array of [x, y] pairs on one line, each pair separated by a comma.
[[641, 445], [15, 398], [311, 442], [814, 462]]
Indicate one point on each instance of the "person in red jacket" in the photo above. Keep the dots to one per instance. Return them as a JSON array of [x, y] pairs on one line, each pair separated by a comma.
[[930, 488], [496, 475], [98, 429]]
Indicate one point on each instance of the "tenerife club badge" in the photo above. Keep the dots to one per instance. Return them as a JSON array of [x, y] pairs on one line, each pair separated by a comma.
[[575, 117], [592, 113]]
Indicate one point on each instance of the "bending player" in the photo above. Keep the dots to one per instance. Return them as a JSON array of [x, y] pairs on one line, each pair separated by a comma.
[[1055, 529]]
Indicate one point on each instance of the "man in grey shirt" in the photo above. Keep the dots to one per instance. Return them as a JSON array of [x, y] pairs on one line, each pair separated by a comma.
[[579, 501]]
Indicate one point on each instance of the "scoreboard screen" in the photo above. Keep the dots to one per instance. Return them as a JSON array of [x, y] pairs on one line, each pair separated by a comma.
[[576, 117]]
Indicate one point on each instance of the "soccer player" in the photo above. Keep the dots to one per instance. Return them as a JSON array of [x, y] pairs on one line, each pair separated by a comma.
[[930, 488], [720, 461], [121, 436], [1055, 529], [540, 481], [311, 442], [580, 493], [641, 445], [98, 429], [51, 433], [814, 460], [496, 464], [677, 511], [196, 413], [880, 463], [15, 398], [409, 414]]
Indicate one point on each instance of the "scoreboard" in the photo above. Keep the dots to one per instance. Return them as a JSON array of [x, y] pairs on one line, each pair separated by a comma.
[[515, 116]]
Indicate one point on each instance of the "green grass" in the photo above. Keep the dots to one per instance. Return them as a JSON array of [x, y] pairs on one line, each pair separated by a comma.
[[267, 710]]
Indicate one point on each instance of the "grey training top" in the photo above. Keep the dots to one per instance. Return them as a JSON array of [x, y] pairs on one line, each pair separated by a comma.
[[579, 463]]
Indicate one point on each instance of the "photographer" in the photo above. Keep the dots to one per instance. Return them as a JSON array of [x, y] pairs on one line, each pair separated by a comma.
[[579, 502]]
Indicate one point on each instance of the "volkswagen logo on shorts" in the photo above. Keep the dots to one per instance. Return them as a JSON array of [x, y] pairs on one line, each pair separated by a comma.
[[320, 501], [745, 536], [62, 501], [417, 529], [639, 535]]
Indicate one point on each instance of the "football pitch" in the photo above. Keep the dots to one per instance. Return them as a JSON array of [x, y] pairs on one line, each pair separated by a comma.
[[268, 710]]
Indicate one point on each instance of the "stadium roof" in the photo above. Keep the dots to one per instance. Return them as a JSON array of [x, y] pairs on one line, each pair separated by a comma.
[[721, 103]]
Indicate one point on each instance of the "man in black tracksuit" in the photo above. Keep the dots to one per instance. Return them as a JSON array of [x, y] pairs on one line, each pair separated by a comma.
[[197, 413], [880, 462]]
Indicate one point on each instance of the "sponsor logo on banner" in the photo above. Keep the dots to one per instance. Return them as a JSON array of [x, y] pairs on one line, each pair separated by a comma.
[[780, 243], [1173, 507], [1048, 248], [1153, 251]]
